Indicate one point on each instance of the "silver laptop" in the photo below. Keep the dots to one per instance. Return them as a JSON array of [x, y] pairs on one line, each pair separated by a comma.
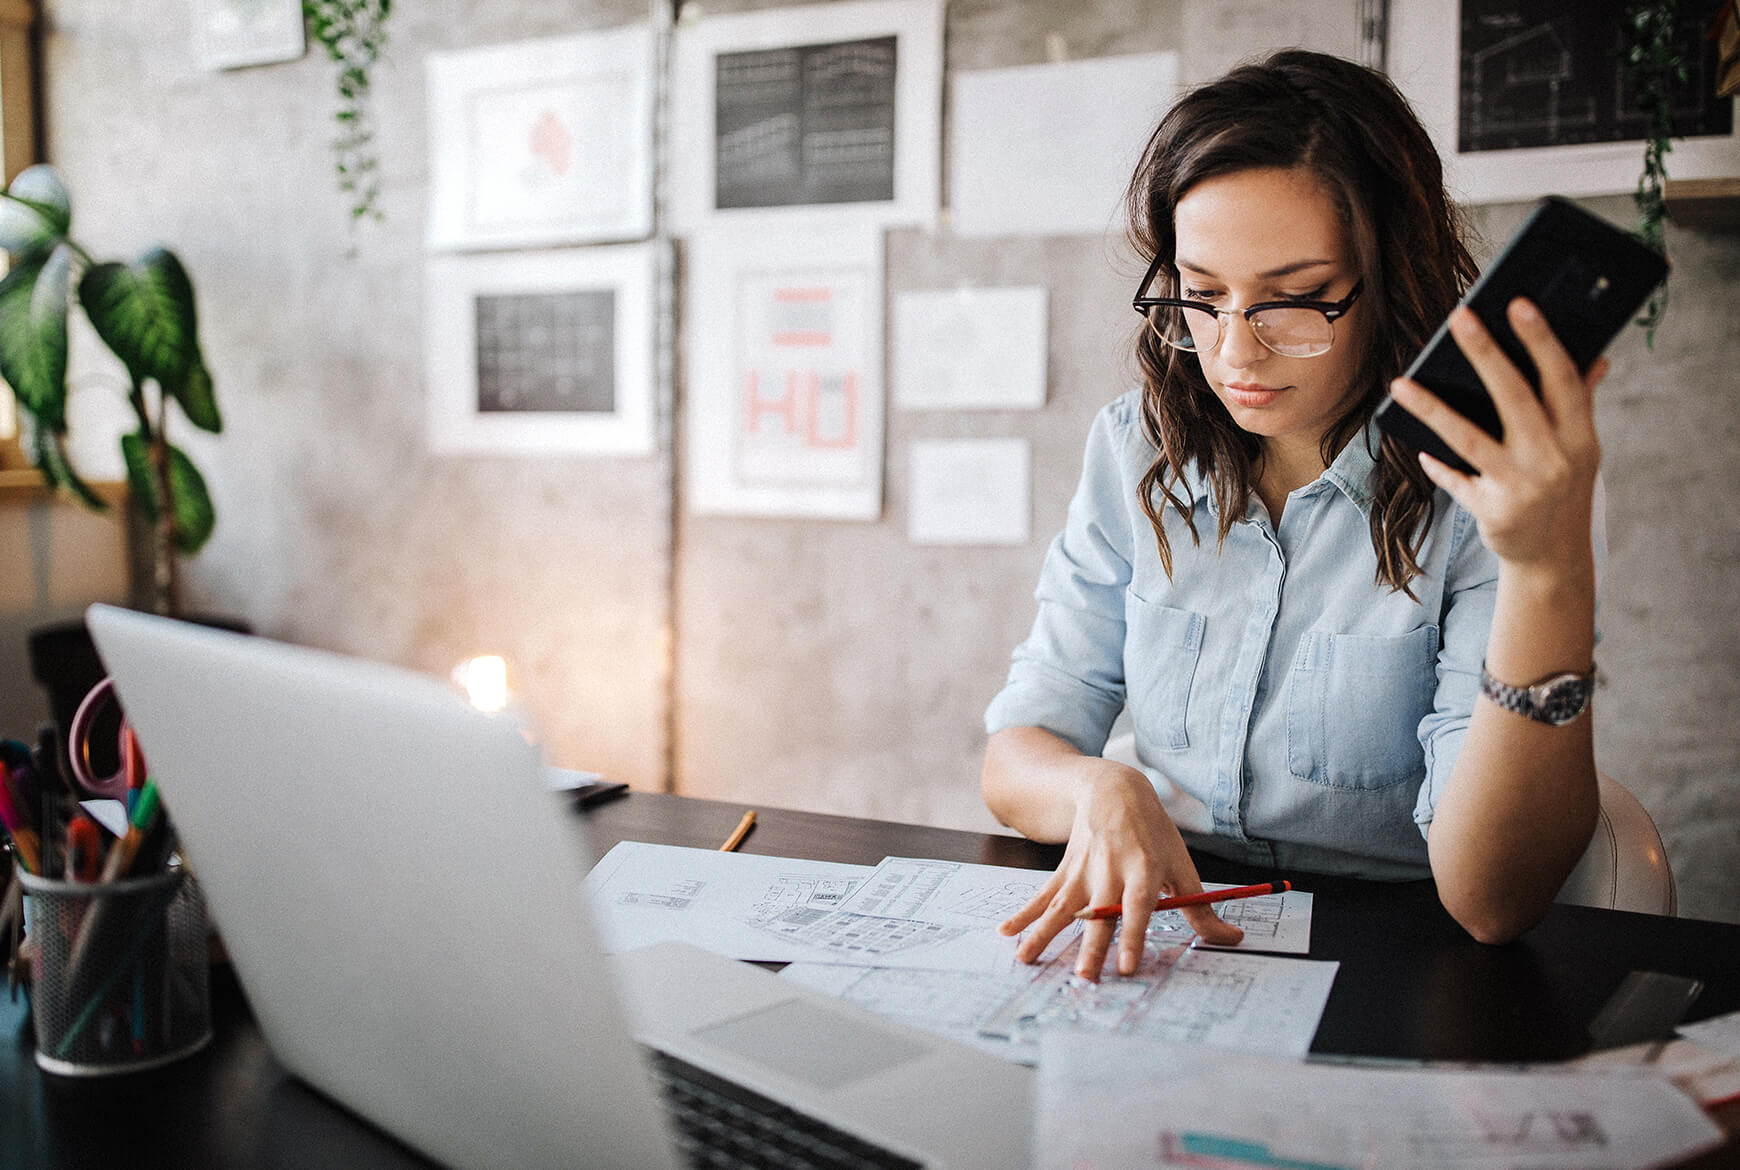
[[401, 898]]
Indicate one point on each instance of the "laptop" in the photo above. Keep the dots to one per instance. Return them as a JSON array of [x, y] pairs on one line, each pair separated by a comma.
[[401, 899]]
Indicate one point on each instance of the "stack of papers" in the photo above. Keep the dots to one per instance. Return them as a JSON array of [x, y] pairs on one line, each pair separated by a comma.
[[916, 939], [1196, 1060], [1114, 1101]]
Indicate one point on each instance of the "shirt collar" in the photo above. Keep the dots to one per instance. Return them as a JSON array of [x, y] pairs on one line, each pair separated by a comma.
[[1350, 473]]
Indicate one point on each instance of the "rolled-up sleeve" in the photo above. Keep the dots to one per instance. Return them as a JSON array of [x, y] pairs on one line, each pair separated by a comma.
[[1068, 676], [1470, 594]]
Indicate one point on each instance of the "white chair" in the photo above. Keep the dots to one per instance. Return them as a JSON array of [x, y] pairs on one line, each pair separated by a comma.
[[1624, 868]]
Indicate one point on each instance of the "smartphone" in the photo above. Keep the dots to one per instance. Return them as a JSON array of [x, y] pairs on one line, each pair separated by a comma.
[[1587, 277]]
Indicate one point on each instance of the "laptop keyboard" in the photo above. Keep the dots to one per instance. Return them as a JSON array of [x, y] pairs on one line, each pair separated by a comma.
[[720, 1123]]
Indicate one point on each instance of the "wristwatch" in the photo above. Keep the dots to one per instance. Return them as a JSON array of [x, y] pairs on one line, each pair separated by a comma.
[[1555, 700]]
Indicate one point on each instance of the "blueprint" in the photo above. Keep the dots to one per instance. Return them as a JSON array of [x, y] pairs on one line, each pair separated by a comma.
[[957, 893], [1109, 1101], [781, 909], [1252, 1003]]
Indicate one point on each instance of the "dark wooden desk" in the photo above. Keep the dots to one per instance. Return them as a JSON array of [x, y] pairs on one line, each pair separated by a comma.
[[1412, 984]]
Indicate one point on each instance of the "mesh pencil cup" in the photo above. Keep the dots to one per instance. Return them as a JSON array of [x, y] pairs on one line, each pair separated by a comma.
[[119, 979]]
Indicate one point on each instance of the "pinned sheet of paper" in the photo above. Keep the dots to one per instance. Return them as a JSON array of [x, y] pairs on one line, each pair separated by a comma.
[[969, 491], [970, 349], [1049, 149]]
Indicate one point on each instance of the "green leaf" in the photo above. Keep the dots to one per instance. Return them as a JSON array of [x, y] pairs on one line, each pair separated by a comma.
[[141, 476], [33, 336], [194, 515], [190, 502], [198, 398], [36, 213], [144, 312], [51, 460]]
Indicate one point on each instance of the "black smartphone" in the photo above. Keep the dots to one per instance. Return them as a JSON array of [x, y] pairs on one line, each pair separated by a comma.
[[1586, 276]]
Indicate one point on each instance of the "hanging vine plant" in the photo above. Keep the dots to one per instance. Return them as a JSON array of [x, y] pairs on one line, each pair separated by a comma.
[[1654, 61], [354, 34]]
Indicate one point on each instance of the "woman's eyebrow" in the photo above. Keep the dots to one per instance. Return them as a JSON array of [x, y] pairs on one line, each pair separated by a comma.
[[1272, 274]]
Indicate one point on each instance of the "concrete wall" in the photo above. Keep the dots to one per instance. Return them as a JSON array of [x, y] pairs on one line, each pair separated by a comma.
[[819, 665]]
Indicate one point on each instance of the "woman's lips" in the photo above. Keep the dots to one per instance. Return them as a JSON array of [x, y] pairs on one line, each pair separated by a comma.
[[1249, 395]]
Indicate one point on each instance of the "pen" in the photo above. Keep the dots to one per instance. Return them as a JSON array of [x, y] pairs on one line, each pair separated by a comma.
[[1205, 897], [740, 832]]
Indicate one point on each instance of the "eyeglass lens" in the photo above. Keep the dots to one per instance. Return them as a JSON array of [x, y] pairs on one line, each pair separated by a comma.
[[1288, 332]]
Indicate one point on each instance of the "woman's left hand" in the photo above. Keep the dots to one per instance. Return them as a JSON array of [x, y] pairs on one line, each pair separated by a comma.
[[1535, 487]]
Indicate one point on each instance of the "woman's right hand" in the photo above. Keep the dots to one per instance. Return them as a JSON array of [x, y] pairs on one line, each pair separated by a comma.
[[1124, 851]]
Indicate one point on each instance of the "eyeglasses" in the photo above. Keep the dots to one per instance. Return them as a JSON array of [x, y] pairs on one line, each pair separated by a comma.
[[1288, 328]]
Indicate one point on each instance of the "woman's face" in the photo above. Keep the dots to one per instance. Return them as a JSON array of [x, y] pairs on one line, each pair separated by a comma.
[[1271, 235]]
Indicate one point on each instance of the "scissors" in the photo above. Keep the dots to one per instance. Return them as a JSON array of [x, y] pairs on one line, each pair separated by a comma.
[[126, 781]]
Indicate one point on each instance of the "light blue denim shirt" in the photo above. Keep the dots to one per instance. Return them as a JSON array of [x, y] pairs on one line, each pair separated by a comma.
[[1291, 711]]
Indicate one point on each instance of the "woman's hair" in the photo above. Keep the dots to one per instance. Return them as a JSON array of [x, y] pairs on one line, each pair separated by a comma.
[[1350, 127]]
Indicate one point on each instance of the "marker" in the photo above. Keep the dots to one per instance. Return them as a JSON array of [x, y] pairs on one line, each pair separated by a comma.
[[122, 853], [84, 850], [24, 838], [740, 832], [1100, 912]]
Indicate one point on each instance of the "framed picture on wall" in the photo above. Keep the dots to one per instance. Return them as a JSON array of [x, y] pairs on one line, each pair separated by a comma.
[[230, 34], [542, 352], [542, 142], [836, 107], [785, 372], [1527, 97]]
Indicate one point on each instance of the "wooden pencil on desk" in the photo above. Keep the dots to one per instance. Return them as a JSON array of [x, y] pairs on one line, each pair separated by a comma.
[[740, 832]]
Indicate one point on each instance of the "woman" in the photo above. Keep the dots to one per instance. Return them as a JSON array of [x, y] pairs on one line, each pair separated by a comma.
[[1300, 614]]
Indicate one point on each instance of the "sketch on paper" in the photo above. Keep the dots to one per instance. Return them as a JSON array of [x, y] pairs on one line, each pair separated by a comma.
[[771, 121], [805, 124], [547, 351], [1531, 101], [785, 342], [1535, 73], [541, 142], [541, 352], [801, 395], [1246, 1002]]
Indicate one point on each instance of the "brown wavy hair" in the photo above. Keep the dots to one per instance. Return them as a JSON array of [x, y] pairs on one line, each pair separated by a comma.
[[1349, 126]]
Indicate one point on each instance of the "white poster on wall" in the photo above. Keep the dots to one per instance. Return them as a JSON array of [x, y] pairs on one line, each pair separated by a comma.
[[970, 491], [542, 142], [785, 372], [835, 106], [1049, 149], [970, 349]]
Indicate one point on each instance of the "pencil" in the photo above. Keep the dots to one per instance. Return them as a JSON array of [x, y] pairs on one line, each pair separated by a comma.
[[1205, 897], [740, 832]]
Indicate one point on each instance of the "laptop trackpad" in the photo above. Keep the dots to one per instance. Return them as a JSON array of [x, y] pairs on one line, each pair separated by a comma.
[[808, 1042]]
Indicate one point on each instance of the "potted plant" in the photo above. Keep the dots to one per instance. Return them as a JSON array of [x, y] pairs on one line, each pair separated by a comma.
[[144, 313]]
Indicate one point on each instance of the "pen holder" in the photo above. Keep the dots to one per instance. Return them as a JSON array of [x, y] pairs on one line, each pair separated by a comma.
[[119, 978]]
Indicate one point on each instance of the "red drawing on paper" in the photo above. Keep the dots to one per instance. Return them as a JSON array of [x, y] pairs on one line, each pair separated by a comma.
[[819, 409], [552, 144]]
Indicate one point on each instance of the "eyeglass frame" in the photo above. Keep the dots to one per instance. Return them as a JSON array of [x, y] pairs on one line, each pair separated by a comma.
[[1332, 312]]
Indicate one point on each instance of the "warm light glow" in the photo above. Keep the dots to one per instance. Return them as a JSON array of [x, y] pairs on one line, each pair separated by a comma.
[[484, 681]]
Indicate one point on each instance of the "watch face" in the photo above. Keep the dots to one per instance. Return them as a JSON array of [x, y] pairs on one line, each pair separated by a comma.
[[1563, 699]]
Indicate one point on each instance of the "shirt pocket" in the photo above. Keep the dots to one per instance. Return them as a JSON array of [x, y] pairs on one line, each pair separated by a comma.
[[1161, 649], [1354, 707]]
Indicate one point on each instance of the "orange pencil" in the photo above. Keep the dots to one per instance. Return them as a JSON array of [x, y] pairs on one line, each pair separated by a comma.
[[1207, 896]]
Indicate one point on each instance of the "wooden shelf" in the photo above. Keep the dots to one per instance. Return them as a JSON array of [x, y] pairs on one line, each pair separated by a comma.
[[23, 485], [1706, 204]]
